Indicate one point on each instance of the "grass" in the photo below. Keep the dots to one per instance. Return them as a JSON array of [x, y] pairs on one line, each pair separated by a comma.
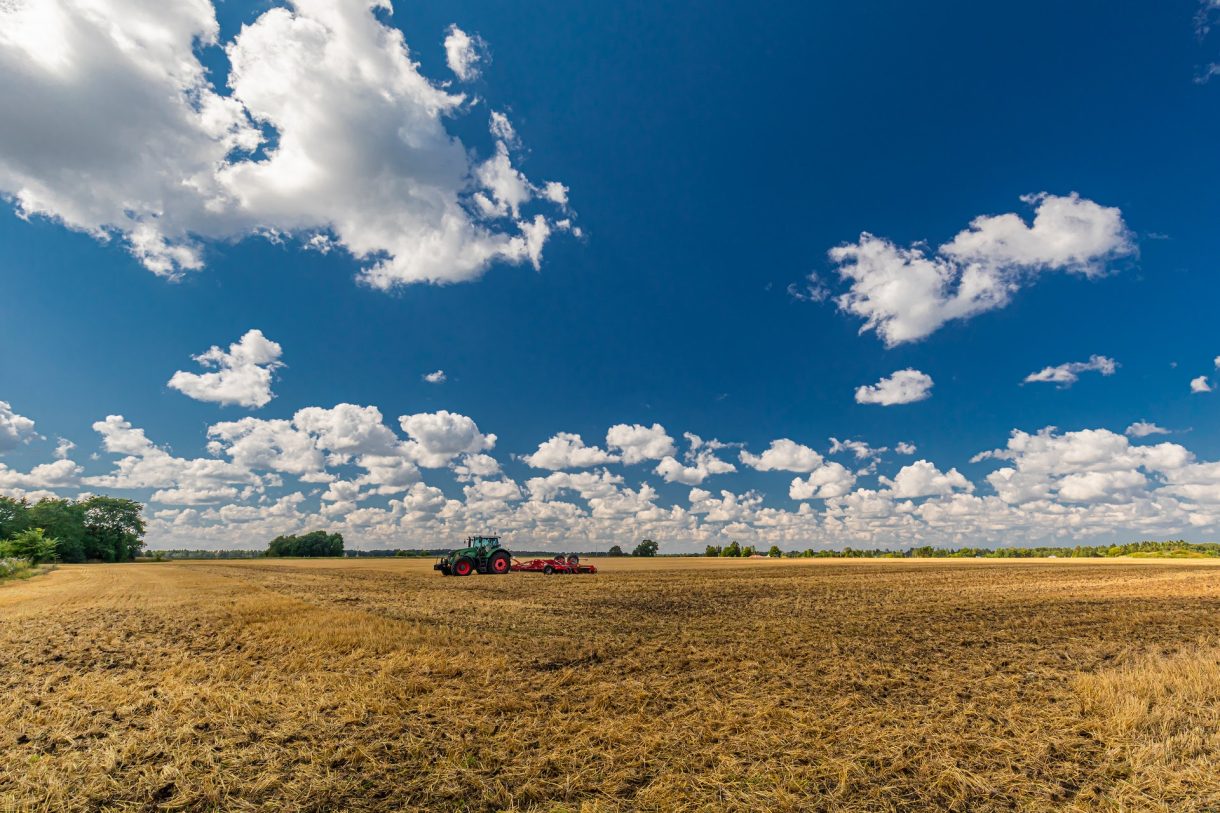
[[667, 685]]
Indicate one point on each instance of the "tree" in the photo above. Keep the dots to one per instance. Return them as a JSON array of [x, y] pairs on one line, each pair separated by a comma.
[[711, 550], [615, 550], [33, 545], [114, 528], [14, 516], [314, 543], [645, 548], [775, 552], [748, 551], [64, 520], [731, 549]]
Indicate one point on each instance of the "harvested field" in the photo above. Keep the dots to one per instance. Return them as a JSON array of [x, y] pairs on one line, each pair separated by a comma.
[[657, 685]]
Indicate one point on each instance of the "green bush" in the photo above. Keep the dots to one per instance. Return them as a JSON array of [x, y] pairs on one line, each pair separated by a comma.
[[33, 545]]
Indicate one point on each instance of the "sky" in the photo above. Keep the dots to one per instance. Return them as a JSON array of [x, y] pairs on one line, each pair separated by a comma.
[[807, 274]]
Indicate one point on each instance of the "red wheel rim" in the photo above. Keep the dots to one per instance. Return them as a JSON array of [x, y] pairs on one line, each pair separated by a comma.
[[500, 565], [462, 568]]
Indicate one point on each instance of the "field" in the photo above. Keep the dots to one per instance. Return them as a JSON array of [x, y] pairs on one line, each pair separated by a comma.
[[660, 685]]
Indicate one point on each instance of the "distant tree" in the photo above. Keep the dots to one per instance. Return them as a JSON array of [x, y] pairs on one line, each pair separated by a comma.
[[114, 528], [615, 550], [14, 516], [712, 550], [748, 550], [645, 548], [64, 520], [33, 545], [314, 543], [775, 552], [731, 549]]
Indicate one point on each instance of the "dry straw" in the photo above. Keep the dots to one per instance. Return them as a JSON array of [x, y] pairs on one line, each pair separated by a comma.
[[672, 685]]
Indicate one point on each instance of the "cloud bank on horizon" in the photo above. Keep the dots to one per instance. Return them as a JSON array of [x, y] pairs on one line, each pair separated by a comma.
[[348, 468]]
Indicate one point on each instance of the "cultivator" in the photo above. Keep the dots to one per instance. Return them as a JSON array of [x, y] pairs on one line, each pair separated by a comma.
[[483, 554], [557, 564]]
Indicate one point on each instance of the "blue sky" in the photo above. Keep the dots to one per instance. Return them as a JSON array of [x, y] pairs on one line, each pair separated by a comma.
[[711, 156]]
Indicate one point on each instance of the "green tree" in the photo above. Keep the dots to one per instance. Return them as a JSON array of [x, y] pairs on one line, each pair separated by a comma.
[[646, 548], [314, 543], [731, 549], [615, 550], [712, 550], [14, 516], [63, 520], [775, 552], [748, 550], [114, 528], [33, 545]]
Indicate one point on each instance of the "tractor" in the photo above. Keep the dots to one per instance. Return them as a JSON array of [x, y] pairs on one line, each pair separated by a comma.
[[482, 554]]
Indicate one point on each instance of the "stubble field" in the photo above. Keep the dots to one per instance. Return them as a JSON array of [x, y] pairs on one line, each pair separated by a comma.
[[665, 685]]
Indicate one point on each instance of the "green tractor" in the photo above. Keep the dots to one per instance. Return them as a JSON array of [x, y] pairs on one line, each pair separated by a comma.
[[482, 554]]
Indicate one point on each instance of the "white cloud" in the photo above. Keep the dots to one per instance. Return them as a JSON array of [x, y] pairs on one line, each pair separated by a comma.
[[903, 387], [14, 429], [859, 448], [1142, 429], [1087, 466], [783, 455], [555, 192], [830, 480], [905, 448], [1065, 375], [63, 448], [589, 485], [242, 376], [701, 462], [508, 188], [121, 133], [702, 466], [475, 467], [437, 377], [638, 443], [463, 53], [144, 465], [812, 290], [1200, 384], [923, 479], [502, 128], [567, 451], [438, 437], [905, 294], [276, 445], [60, 474], [348, 429]]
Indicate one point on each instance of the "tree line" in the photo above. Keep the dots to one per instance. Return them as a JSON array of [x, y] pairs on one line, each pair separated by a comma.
[[101, 529], [1147, 547], [735, 549]]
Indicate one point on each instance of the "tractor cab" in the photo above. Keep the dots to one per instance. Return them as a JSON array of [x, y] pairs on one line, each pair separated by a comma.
[[482, 554]]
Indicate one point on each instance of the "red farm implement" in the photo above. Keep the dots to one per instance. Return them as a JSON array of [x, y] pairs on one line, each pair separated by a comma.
[[556, 565]]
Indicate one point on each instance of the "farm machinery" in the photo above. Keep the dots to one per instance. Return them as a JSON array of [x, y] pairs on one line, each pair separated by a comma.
[[556, 564], [484, 554]]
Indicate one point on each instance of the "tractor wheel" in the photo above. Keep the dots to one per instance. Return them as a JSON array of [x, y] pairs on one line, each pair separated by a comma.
[[548, 570], [573, 559], [499, 563], [463, 566]]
